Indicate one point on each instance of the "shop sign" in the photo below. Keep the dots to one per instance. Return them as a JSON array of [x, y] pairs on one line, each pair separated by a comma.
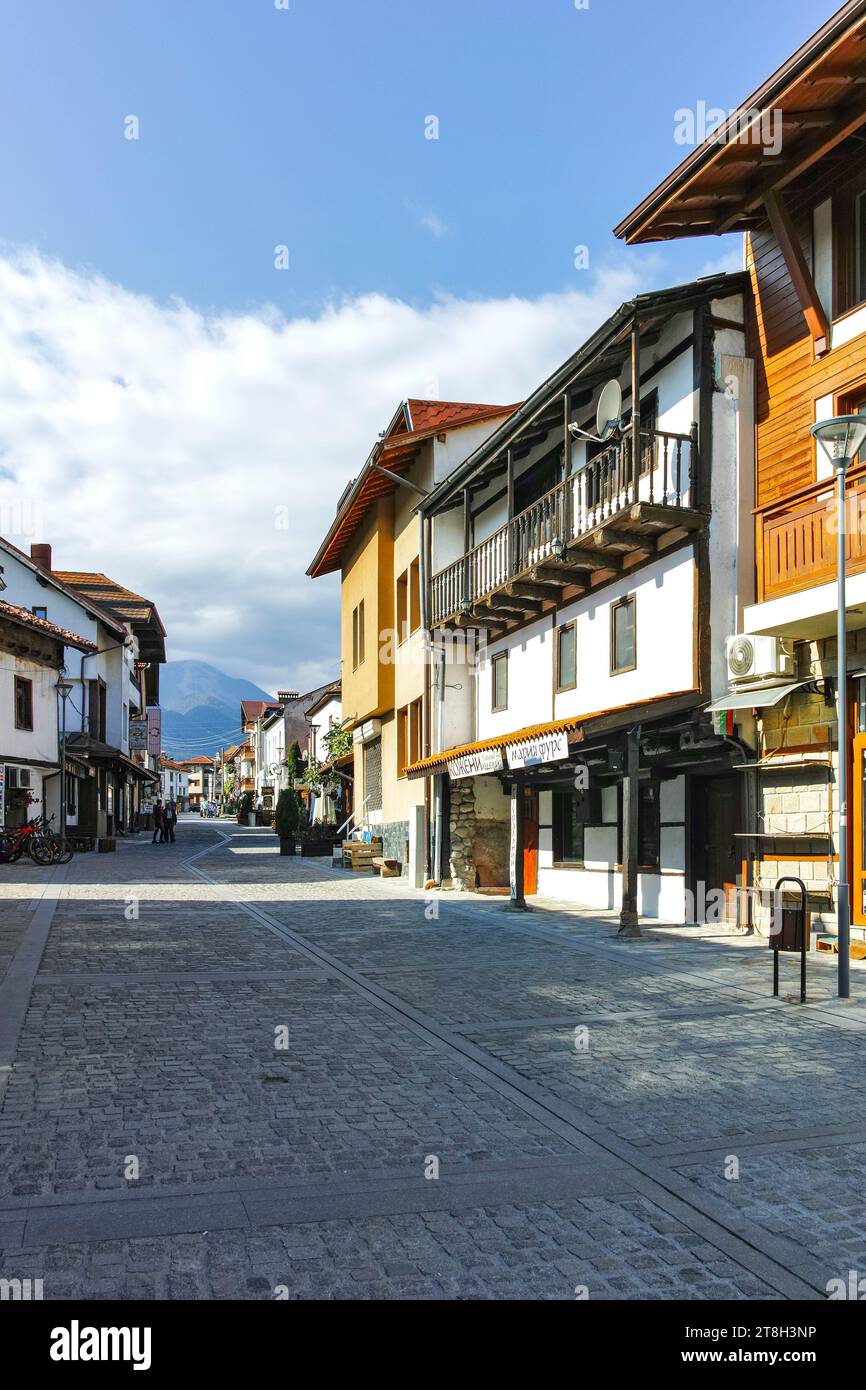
[[534, 752], [476, 764], [138, 735]]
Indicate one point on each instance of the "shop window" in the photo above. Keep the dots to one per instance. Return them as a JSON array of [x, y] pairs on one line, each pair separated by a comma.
[[566, 657], [499, 673], [648, 825], [573, 811], [623, 636]]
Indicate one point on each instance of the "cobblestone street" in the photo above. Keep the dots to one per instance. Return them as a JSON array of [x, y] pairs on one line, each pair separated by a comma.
[[158, 1140]]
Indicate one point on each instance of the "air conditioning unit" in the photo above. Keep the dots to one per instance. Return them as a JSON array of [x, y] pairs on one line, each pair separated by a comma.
[[759, 659]]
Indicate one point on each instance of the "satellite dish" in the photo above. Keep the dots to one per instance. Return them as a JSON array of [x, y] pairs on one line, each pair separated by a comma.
[[609, 410]]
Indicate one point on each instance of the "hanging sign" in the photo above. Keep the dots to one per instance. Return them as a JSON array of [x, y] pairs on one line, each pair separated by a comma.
[[138, 735], [476, 764], [533, 752]]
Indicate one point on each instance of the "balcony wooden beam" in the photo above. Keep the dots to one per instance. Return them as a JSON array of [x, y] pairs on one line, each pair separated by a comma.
[[525, 588], [798, 268], [514, 603]]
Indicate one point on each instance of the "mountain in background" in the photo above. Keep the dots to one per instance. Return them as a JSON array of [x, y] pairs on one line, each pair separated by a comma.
[[201, 707]]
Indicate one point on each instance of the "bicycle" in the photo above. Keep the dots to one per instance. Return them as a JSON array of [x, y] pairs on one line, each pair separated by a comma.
[[61, 849], [29, 837]]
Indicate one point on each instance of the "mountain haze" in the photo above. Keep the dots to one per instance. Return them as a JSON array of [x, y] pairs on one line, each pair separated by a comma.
[[201, 707]]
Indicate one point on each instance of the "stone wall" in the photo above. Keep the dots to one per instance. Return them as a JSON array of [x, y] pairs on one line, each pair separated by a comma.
[[395, 838], [799, 796], [480, 843]]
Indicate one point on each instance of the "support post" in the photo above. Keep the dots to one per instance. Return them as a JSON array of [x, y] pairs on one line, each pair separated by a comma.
[[635, 411], [843, 904], [510, 501], [518, 900], [467, 545], [628, 917]]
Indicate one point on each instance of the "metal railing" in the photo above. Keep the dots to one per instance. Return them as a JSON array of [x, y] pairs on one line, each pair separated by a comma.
[[601, 489]]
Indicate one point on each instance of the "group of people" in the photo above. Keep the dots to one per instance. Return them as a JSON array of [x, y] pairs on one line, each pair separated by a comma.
[[164, 821]]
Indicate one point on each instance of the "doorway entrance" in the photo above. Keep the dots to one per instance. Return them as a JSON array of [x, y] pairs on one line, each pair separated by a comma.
[[716, 816], [530, 843]]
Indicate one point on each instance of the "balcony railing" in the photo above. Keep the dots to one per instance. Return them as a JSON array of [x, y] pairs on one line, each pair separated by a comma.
[[797, 539], [603, 488]]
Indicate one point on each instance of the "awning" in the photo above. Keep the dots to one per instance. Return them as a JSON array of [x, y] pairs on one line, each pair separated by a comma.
[[427, 766], [756, 699]]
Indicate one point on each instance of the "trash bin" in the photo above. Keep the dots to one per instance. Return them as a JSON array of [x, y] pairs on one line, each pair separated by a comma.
[[787, 928]]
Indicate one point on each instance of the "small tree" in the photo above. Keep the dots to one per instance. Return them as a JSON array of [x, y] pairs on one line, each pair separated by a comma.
[[295, 763], [287, 821], [245, 807]]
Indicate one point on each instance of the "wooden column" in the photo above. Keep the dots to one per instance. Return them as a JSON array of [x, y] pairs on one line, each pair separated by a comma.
[[635, 409], [467, 545], [509, 487], [628, 917], [518, 900]]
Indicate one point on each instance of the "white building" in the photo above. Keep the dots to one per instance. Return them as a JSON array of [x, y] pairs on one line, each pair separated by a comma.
[[174, 782], [109, 681], [576, 760], [32, 656]]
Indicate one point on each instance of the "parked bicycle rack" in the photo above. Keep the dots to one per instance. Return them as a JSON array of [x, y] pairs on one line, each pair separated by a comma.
[[788, 933]]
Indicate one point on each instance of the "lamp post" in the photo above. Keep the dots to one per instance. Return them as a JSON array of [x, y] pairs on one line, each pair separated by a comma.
[[64, 689], [841, 439]]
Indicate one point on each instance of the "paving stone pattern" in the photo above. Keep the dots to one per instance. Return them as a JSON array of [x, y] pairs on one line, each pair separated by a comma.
[[154, 1035]]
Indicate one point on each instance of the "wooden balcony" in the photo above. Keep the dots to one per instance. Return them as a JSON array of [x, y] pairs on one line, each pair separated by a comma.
[[796, 539], [589, 529]]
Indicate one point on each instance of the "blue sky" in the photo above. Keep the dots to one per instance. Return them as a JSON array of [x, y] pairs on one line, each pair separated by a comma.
[[305, 127], [179, 413]]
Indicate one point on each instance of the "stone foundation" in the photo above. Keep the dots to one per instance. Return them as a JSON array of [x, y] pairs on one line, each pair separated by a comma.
[[480, 844]]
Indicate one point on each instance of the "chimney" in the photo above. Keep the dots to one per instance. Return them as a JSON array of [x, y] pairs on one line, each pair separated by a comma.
[[285, 696], [41, 556]]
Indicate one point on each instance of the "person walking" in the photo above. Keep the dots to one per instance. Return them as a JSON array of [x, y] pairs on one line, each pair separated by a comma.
[[170, 821], [158, 823]]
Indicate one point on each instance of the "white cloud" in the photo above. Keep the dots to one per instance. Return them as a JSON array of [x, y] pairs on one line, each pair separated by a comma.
[[156, 442], [434, 224]]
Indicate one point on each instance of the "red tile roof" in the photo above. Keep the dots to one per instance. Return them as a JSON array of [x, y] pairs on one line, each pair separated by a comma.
[[397, 450], [24, 618], [253, 709]]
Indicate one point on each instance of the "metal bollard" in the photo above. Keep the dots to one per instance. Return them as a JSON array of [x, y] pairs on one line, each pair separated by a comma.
[[788, 933]]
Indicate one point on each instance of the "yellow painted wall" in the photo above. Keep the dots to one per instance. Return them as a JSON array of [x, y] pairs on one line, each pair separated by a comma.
[[368, 691]]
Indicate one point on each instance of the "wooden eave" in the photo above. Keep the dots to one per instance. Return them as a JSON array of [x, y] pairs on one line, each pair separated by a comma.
[[720, 187], [396, 452]]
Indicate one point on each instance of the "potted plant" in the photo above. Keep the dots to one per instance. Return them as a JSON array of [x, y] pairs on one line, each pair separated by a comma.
[[287, 821]]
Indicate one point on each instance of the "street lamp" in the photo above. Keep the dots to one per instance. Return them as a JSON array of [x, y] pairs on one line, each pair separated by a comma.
[[64, 689], [841, 439]]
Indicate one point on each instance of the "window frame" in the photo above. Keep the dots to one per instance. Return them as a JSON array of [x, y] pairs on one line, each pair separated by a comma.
[[402, 741], [22, 683], [401, 607], [500, 657], [628, 601], [40, 611], [559, 685], [593, 819]]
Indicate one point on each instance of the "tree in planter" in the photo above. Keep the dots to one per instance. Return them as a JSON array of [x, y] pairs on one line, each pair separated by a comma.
[[288, 819], [246, 805], [295, 763]]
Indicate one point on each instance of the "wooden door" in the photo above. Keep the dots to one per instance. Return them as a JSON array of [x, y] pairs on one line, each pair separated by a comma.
[[722, 820], [530, 844], [858, 857]]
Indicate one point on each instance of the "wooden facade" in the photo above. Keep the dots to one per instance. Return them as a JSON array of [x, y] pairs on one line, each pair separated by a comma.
[[795, 540]]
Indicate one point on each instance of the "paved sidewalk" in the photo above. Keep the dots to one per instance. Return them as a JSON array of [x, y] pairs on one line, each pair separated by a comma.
[[239, 1074]]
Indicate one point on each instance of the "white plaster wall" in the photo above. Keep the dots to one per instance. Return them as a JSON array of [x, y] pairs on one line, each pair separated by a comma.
[[20, 745], [665, 597]]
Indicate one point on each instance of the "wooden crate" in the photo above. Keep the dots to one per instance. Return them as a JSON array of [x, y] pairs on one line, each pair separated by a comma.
[[359, 856]]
